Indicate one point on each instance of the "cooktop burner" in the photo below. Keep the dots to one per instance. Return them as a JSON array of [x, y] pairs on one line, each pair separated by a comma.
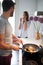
[[31, 62], [33, 59]]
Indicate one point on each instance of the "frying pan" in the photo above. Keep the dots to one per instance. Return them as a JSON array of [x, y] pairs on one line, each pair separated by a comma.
[[35, 48]]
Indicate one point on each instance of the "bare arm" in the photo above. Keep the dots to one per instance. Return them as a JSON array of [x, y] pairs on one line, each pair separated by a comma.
[[6, 46], [19, 26], [16, 39], [20, 23]]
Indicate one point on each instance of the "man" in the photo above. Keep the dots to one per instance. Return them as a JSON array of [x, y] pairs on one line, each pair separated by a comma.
[[6, 33]]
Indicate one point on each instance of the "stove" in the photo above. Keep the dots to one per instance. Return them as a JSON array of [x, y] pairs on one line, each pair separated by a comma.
[[33, 59]]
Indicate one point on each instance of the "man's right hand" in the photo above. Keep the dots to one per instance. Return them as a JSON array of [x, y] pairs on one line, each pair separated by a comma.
[[15, 48]]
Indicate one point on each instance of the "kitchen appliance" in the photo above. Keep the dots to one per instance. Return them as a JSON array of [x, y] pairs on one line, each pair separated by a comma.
[[39, 13], [31, 48], [32, 59]]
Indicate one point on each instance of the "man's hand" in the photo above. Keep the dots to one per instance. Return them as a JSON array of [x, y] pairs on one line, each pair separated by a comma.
[[15, 48], [17, 40], [20, 41]]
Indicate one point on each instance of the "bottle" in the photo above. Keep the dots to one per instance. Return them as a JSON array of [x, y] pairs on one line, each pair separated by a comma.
[[37, 35]]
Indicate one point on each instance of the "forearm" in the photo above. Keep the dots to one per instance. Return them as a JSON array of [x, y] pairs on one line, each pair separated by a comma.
[[20, 25], [8, 47], [15, 38], [5, 46]]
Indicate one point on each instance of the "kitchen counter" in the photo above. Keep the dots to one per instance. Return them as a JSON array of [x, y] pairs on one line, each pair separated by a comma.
[[37, 42]]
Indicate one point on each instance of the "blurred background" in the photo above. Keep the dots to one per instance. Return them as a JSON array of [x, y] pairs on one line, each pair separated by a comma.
[[32, 6]]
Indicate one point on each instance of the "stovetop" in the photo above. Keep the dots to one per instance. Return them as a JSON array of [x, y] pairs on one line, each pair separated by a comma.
[[33, 59]]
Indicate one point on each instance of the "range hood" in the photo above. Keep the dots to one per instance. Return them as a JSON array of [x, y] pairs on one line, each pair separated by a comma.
[[39, 13]]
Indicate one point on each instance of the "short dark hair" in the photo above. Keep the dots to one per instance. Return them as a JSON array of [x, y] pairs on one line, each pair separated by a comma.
[[26, 13], [7, 4]]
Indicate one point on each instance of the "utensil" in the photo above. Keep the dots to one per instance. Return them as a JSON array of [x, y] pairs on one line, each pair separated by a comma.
[[31, 48]]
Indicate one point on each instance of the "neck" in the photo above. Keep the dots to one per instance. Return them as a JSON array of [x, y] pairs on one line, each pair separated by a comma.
[[6, 15]]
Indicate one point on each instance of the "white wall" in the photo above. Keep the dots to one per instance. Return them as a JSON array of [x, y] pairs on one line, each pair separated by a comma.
[[0, 7], [22, 5], [16, 16], [40, 5]]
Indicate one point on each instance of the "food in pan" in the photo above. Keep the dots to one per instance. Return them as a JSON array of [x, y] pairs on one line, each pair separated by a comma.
[[30, 49]]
